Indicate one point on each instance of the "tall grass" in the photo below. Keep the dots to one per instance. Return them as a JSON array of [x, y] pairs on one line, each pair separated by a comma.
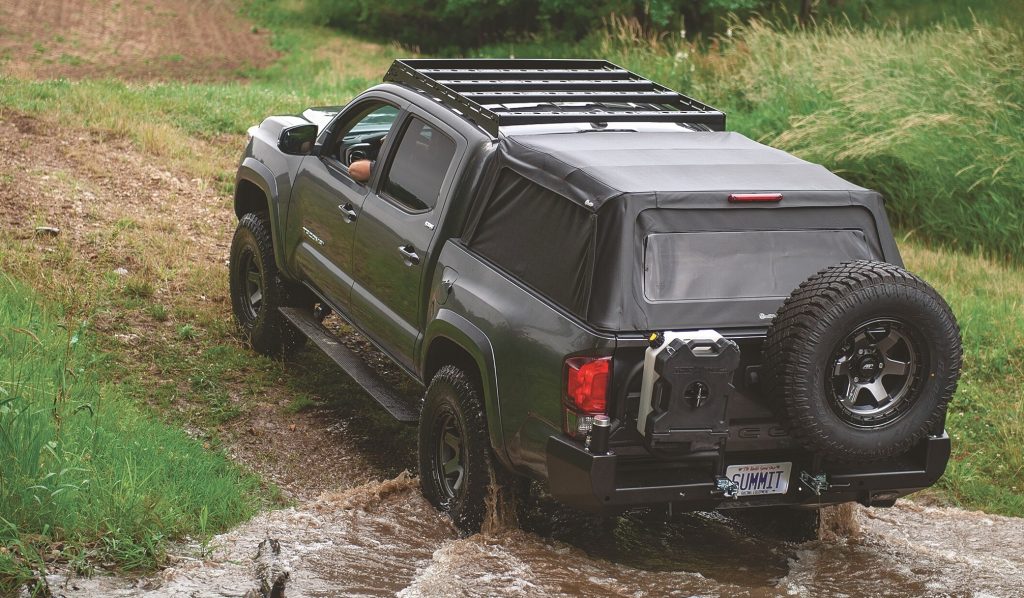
[[933, 119], [82, 470], [986, 417]]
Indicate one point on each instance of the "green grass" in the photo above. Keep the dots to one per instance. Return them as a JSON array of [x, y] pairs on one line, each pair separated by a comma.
[[986, 417], [933, 119], [85, 471], [922, 14]]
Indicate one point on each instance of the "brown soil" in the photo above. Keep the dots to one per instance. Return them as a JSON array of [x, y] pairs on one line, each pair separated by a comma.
[[116, 208], [132, 39]]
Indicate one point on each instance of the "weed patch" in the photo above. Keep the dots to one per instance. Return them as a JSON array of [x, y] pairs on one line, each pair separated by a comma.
[[84, 473]]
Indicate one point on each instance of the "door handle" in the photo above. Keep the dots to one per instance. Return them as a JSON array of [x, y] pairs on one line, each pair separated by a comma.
[[348, 211], [410, 255]]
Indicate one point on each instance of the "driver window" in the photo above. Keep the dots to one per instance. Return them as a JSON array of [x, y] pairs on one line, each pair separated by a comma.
[[362, 135]]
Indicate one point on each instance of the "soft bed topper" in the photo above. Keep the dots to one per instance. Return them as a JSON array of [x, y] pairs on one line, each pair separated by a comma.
[[592, 168]]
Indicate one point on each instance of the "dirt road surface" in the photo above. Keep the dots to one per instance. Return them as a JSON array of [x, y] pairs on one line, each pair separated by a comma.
[[132, 39]]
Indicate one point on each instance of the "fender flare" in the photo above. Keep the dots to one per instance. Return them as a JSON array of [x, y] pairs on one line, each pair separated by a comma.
[[453, 327], [257, 173]]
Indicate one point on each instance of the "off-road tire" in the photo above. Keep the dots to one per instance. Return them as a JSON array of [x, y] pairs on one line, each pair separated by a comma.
[[453, 403], [252, 257], [810, 342]]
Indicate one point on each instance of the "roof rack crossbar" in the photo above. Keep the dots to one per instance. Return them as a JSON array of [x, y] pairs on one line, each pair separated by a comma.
[[465, 85], [527, 74], [568, 85], [548, 96], [538, 117]]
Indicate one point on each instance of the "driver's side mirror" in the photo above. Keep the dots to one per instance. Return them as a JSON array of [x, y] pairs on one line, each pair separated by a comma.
[[298, 140]]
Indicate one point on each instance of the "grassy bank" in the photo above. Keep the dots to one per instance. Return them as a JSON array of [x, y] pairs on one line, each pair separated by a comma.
[[986, 417], [85, 475]]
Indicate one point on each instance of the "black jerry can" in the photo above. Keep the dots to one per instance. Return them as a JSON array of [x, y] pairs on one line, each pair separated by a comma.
[[691, 395]]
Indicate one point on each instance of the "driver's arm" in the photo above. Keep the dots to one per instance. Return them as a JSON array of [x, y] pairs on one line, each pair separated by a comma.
[[360, 170]]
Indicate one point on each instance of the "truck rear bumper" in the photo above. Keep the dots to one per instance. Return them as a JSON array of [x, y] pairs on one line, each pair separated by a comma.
[[613, 483]]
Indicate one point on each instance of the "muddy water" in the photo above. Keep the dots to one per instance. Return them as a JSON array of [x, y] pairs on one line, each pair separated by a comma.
[[383, 539]]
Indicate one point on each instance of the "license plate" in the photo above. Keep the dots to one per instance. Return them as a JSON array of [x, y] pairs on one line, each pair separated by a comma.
[[760, 478]]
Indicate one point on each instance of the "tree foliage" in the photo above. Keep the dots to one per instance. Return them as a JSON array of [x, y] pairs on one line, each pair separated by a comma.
[[439, 25]]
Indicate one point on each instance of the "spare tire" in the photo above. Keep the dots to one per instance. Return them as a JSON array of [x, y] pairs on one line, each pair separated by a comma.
[[862, 359]]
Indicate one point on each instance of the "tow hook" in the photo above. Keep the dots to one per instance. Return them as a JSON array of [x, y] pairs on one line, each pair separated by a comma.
[[815, 483], [726, 488]]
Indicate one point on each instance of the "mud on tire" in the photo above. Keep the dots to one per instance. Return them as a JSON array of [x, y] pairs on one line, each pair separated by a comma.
[[257, 290], [862, 360]]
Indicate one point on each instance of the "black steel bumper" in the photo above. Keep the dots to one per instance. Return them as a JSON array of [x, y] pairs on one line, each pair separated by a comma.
[[611, 483]]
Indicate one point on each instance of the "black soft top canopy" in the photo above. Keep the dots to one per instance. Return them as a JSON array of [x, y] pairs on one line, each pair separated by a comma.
[[594, 167], [634, 231]]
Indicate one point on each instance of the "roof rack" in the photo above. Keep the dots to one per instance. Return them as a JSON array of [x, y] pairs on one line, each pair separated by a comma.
[[490, 92]]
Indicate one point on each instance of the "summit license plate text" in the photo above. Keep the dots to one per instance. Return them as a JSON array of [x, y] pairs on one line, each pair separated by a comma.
[[760, 478]]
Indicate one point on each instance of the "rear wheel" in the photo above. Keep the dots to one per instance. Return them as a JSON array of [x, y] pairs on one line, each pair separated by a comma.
[[863, 359], [455, 461], [257, 290]]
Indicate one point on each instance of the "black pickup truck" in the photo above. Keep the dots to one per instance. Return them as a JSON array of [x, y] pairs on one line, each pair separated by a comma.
[[599, 288]]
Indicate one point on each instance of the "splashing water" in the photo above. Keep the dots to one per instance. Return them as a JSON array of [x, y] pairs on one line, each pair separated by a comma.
[[384, 539]]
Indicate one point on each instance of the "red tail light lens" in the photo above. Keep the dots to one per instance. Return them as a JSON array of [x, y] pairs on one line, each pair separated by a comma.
[[745, 197], [586, 393], [587, 383]]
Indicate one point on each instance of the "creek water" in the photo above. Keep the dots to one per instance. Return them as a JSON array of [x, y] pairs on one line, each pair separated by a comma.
[[384, 539]]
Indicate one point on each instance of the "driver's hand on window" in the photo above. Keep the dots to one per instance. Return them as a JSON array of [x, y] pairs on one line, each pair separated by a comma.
[[360, 170]]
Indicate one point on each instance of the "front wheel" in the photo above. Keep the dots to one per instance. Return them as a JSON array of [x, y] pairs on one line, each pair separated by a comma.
[[257, 290], [455, 461]]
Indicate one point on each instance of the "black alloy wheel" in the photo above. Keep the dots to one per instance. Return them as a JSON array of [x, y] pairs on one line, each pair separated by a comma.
[[456, 464], [450, 463], [252, 296], [258, 290], [861, 361], [876, 371]]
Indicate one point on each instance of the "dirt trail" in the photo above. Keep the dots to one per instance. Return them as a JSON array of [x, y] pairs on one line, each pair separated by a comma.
[[132, 39]]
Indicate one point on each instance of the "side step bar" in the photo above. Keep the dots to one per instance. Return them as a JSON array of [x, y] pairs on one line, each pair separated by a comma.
[[401, 407]]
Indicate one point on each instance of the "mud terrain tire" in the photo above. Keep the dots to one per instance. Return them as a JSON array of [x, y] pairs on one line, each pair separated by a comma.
[[455, 461], [257, 291], [863, 359]]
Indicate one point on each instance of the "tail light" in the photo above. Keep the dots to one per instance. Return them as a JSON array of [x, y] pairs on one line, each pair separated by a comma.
[[586, 392]]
